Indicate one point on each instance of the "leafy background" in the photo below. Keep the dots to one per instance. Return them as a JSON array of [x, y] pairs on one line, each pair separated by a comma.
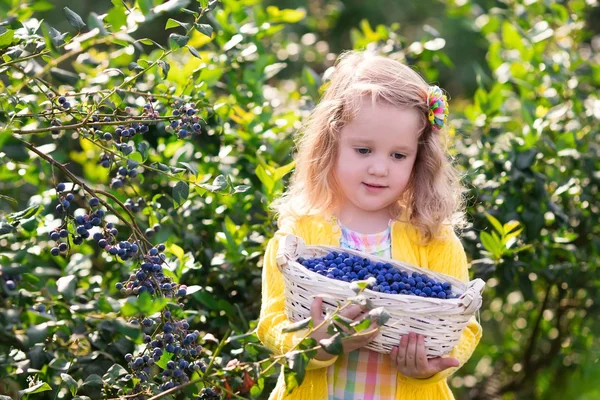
[[523, 77]]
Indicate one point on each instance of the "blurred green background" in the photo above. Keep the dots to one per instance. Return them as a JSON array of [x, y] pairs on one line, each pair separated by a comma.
[[523, 78]]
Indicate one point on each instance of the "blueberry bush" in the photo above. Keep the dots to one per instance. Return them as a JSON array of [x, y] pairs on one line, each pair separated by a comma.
[[135, 174]]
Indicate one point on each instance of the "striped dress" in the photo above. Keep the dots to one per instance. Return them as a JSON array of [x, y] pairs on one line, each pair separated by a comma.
[[363, 374]]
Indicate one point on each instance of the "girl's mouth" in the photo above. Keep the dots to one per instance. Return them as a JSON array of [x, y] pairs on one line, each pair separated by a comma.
[[373, 187]]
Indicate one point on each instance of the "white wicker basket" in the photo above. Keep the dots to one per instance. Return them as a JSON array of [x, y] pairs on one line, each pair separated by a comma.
[[441, 321]]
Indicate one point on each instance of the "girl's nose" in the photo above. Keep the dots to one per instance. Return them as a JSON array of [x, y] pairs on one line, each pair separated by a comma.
[[378, 168]]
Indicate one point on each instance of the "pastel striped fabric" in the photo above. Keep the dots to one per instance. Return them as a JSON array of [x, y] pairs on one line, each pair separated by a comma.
[[363, 374]]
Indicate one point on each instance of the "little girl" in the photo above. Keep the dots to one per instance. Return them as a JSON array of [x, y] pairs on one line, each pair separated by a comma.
[[371, 174]]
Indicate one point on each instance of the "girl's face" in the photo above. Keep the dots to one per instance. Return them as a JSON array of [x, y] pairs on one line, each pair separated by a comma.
[[378, 148]]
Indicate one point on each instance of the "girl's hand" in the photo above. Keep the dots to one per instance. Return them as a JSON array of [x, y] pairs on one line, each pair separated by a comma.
[[353, 312], [410, 359]]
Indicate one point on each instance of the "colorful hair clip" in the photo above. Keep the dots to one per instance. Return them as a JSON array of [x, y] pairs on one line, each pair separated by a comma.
[[438, 107]]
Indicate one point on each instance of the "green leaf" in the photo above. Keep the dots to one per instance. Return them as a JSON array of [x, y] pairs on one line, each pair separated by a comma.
[[312, 81], [345, 321], [164, 359], [497, 225], [133, 66], [6, 228], [40, 387], [296, 326], [144, 304], [117, 17], [66, 286], [379, 315], [296, 363], [173, 23], [165, 67], [74, 19], [362, 325], [171, 5], [42, 5], [218, 184], [145, 6], [181, 191], [143, 148], [24, 214], [491, 244], [6, 38], [333, 345], [510, 36], [3, 197], [241, 189], [93, 381], [176, 41], [60, 364], [70, 382], [189, 167], [131, 331], [204, 29], [194, 52], [94, 21], [272, 70], [511, 225], [114, 373]]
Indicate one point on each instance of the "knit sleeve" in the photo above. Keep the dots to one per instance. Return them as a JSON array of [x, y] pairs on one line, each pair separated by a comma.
[[448, 256], [272, 318]]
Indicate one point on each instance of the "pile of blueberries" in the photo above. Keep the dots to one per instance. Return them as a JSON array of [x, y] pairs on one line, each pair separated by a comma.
[[344, 267]]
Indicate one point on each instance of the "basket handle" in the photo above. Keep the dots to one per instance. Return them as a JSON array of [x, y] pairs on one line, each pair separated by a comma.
[[290, 248], [471, 298]]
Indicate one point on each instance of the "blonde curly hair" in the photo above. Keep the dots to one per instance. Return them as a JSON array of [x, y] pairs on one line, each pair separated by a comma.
[[433, 196]]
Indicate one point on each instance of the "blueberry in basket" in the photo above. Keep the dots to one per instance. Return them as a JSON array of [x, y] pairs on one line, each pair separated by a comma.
[[349, 268]]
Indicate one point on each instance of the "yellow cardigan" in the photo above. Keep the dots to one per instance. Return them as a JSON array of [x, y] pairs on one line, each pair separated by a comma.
[[445, 255]]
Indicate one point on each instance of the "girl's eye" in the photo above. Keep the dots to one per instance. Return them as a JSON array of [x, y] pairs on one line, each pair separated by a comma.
[[399, 156], [360, 151]]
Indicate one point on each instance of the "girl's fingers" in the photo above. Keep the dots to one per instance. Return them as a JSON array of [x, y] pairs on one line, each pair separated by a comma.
[[401, 356], [411, 351], [421, 360], [351, 312], [315, 310], [393, 356]]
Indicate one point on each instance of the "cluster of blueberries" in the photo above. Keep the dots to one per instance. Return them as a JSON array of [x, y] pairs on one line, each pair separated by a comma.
[[174, 340], [344, 267], [187, 123], [150, 277], [123, 174], [151, 231], [64, 103], [134, 206], [106, 238], [208, 394], [84, 222], [10, 281]]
